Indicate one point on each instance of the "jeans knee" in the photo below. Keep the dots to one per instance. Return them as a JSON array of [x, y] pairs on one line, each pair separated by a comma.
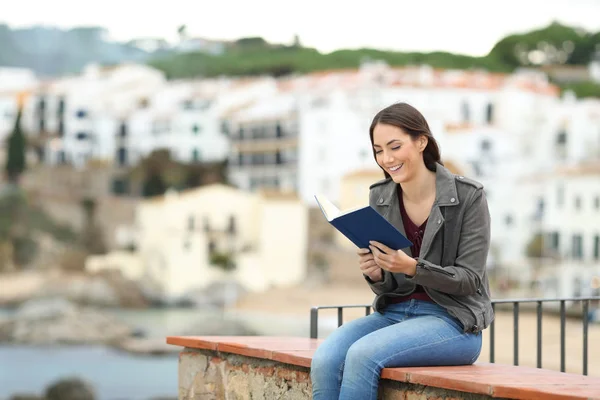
[[325, 362], [361, 353]]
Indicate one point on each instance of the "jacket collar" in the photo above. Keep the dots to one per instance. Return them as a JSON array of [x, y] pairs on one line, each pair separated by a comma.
[[445, 189], [445, 195]]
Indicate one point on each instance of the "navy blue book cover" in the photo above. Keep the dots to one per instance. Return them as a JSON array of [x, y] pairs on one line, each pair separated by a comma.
[[363, 225]]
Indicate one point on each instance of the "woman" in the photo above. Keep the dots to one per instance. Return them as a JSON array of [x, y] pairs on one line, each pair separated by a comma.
[[432, 299]]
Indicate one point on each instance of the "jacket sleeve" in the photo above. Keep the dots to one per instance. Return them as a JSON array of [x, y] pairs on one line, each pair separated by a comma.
[[386, 285], [465, 277]]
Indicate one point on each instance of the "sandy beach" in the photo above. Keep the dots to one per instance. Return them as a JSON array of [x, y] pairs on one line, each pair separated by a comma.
[[298, 300]]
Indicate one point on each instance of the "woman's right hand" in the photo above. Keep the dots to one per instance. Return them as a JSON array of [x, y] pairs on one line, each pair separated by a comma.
[[368, 266]]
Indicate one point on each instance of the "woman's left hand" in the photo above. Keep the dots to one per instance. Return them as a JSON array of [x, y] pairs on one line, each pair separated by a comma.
[[395, 261]]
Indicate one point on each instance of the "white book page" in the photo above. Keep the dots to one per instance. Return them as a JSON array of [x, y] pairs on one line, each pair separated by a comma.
[[330, 211]]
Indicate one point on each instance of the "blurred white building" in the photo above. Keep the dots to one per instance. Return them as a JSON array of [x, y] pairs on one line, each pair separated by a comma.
[[304, 134], [181, 236], [570, 227]]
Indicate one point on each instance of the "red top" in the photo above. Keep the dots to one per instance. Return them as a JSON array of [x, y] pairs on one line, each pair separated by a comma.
[[415, 234]]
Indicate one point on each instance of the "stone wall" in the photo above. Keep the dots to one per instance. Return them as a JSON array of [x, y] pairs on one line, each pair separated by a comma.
[[211, 375]]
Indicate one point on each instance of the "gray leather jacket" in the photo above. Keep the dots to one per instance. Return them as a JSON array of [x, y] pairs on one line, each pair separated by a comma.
[[452, 262]]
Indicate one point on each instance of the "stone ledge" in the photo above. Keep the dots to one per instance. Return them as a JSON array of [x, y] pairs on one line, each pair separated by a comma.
[[291, 357]]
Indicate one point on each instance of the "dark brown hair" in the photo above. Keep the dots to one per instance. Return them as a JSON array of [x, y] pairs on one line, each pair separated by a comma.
[[411, 121]]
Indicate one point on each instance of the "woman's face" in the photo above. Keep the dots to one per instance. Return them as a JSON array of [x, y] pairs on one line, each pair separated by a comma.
[[397, 153]]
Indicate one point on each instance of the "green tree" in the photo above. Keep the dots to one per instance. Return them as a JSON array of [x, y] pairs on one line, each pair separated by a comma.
[[554, 44], [154, 185], [15, 163]]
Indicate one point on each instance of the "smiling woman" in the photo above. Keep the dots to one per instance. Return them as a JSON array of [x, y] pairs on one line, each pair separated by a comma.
[[432, 299]]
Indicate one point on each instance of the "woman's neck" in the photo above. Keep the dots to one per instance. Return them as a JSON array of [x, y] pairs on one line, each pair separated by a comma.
[[421, 187]]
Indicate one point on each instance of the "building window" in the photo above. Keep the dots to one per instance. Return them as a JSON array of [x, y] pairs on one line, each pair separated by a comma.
[[489, 113], [555, 241], [212, 248], [577, 203], [486, 145], [61, 107], [597, 202], [61, 128], [561, 144], [508, 220], [123, 129], [191, 223], [188, 105], [597, 247], [560, 196], [466, 112], [120, 186], [82, 136], [122, 156], [278, 130], [196, 129], [539, 212], [195, 155], [577, 247], [81, 113], [224, 128], [62, 157], [232, 228]]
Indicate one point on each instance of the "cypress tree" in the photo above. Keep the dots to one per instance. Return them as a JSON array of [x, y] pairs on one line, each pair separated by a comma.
[[15, 162]]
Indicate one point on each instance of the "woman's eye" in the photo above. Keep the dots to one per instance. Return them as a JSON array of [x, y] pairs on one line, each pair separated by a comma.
[[396, 148], [378, 151]]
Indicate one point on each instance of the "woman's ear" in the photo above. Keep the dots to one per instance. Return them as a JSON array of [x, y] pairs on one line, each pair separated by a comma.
[[423, 140]]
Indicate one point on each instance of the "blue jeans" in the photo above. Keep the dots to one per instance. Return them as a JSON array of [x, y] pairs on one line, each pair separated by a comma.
[[347, 365]]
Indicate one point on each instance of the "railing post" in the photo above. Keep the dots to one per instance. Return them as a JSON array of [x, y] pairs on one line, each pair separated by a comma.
[[314, 322], [493, 337], [585, 336], [516, 333], [562, 335], [539, 334]]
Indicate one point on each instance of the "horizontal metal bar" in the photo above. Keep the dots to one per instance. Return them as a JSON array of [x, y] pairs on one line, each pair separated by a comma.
[[344, 306], [506, 301], [499, 301]]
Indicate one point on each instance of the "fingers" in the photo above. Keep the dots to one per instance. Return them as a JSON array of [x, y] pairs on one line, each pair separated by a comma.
[[381, 247], [368, 264], [384, 261], [371, 271], [379, 255], [364, 255]]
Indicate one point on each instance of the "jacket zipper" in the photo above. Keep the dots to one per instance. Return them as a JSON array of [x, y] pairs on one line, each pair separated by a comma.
[[440, 270]]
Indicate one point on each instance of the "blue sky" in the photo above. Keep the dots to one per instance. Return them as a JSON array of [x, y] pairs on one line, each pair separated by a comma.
[[463, 26]]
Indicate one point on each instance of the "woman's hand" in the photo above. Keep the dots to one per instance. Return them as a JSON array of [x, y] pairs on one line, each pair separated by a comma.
[[395, 261], [368, 265]]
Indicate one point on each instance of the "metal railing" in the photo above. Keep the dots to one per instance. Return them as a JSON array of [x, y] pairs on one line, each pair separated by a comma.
[[585, 301]]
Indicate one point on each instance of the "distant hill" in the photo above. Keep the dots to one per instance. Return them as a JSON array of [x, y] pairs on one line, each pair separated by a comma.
[[53, 51], [554, 44]]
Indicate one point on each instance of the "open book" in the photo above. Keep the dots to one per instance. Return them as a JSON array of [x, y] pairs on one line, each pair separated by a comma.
[[363, 225]]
